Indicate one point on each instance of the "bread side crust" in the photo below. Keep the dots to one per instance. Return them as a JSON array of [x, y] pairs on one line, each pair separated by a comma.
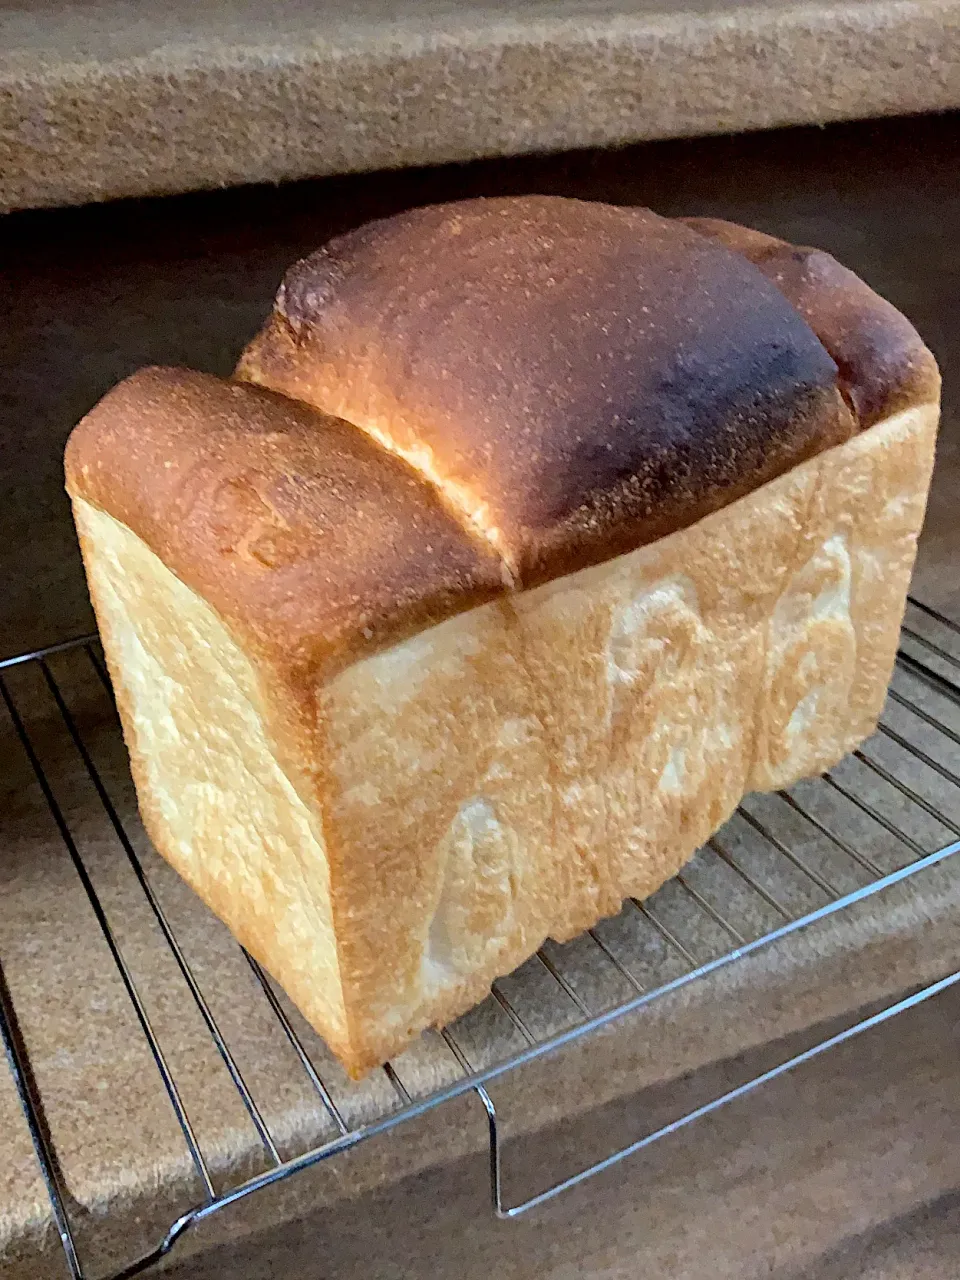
[[214, 799], [516, 771], [520, 770]]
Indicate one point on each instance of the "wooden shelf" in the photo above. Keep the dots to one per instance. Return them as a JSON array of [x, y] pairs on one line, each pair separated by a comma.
[[107, 98]]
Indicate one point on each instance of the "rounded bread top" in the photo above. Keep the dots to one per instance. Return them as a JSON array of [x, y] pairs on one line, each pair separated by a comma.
[[563, 381], [577, 378], [882, 364], [309, 539]]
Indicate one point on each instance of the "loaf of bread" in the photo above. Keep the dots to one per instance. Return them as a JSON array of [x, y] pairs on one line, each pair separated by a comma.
[[528, 537]]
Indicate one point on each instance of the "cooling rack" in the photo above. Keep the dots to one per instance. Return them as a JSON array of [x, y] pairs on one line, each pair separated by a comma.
[[904, 784]]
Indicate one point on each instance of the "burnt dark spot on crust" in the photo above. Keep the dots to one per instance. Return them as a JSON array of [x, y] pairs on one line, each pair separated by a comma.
[[707, 430], [883, 364]]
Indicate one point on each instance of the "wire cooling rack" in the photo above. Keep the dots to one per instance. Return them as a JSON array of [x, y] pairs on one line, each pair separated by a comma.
[[904, 784]]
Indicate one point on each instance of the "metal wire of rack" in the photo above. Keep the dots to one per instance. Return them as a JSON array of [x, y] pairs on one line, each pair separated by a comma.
[[926, 694]]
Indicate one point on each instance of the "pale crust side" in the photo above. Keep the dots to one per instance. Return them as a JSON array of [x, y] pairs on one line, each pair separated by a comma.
[[516, 771], [199, 728], [601, 727]]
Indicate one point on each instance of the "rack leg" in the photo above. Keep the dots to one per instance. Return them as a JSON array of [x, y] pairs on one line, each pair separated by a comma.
[[866, 1024]]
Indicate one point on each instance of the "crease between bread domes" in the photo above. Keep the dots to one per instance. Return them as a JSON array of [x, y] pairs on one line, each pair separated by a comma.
[[455, 497], [445, 368], [459, 500]]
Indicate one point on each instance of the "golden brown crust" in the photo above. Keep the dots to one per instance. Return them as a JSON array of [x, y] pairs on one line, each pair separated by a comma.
[[570, 380], [314, 544], [580, 379], [883, 364]]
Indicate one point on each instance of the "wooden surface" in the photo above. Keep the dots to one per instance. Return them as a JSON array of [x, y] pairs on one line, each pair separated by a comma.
[[104, 98]]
